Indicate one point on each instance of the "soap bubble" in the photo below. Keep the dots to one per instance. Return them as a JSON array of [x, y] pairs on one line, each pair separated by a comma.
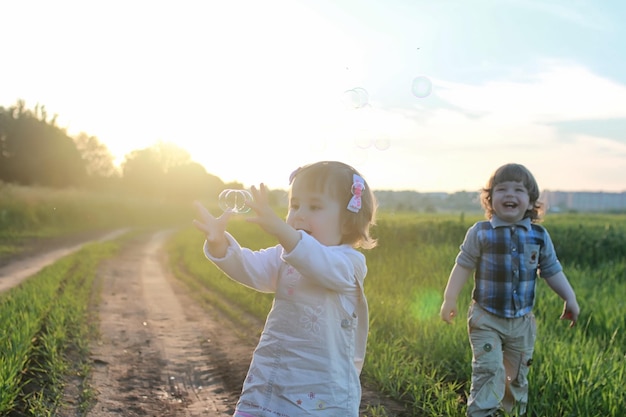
[[234, 201], [363, 143], [421, 86], [382, 144], [356, 98]]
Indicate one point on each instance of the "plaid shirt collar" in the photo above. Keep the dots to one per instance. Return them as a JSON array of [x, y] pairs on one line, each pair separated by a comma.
[[498, 222]]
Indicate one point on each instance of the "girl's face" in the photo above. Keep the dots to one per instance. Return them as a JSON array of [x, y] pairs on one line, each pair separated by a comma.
[[317, 214], [510, 200]]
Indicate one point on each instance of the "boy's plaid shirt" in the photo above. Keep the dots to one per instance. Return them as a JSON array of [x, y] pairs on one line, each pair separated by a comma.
[[506, 258]]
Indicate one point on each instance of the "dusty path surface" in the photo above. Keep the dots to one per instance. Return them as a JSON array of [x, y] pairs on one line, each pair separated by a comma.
[[21, 267], [159, 351]]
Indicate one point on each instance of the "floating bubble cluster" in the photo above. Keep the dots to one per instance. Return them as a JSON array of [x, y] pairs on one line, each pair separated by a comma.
[[356, 98], [234, 201]]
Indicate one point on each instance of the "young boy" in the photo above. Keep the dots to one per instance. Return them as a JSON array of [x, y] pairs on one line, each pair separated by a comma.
[[506, 252]]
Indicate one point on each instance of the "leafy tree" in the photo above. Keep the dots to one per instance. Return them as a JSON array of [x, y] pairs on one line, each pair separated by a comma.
[[235, 185], [142, 172], [33, 150], [190, 181], [167, 171], [98, 159]]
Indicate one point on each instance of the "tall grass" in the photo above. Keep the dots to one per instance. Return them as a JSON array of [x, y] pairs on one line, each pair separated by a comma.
[[416, 358], [41, 320], [28, 213]]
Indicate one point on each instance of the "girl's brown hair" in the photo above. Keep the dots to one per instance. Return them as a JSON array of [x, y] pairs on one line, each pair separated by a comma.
[[518, 173], [336, 179]]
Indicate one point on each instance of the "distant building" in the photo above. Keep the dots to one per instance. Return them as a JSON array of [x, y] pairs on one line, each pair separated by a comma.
[[583, 201], [463, 201]]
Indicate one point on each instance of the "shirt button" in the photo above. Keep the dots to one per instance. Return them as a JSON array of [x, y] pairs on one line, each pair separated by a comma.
[[345, 323]]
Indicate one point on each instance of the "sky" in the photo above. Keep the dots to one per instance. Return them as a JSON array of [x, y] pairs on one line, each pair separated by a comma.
[[417, 95]]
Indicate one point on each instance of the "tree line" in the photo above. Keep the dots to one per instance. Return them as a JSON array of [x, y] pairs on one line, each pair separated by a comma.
[[35, 151]]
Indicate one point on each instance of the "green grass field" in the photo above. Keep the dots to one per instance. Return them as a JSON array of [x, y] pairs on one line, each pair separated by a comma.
[[415, 357], [412, 355]]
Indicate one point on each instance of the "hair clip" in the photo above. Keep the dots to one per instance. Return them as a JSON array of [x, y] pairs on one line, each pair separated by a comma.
[[358, 185]]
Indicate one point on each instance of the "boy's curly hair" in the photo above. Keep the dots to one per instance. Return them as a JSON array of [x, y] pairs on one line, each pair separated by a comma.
[[518, 173]]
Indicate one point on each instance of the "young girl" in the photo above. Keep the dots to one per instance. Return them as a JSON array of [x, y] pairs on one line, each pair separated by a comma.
[[506, 251], [310, 354]]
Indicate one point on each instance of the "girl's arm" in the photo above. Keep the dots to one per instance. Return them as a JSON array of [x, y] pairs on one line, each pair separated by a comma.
[[287, 236], [338, 268], [560, 285], [255, 269]]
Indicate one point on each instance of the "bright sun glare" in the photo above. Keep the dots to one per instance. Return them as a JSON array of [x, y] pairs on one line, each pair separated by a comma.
[[402, 93]]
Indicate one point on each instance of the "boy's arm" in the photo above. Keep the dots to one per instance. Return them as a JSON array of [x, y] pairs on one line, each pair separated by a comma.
[[560, 285], [456, 281]]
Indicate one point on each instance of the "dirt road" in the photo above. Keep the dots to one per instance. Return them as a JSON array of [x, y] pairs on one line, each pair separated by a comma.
[[17, 268], [159, 352]]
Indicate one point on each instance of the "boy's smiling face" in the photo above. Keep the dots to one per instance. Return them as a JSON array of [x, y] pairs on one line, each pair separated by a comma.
[[510, 201]]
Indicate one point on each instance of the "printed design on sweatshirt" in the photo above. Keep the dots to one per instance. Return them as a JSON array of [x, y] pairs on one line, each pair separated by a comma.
[[312, 320]]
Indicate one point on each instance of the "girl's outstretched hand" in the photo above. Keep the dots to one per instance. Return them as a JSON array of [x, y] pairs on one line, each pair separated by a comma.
[[265, 215], [269, 221], [213, 228]]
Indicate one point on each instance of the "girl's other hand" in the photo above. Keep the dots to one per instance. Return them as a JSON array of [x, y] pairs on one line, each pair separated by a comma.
[[269, 221], [265, 215], [213, 228]]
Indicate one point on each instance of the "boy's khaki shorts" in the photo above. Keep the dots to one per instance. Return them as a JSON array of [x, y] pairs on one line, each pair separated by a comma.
[[502, 351]]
